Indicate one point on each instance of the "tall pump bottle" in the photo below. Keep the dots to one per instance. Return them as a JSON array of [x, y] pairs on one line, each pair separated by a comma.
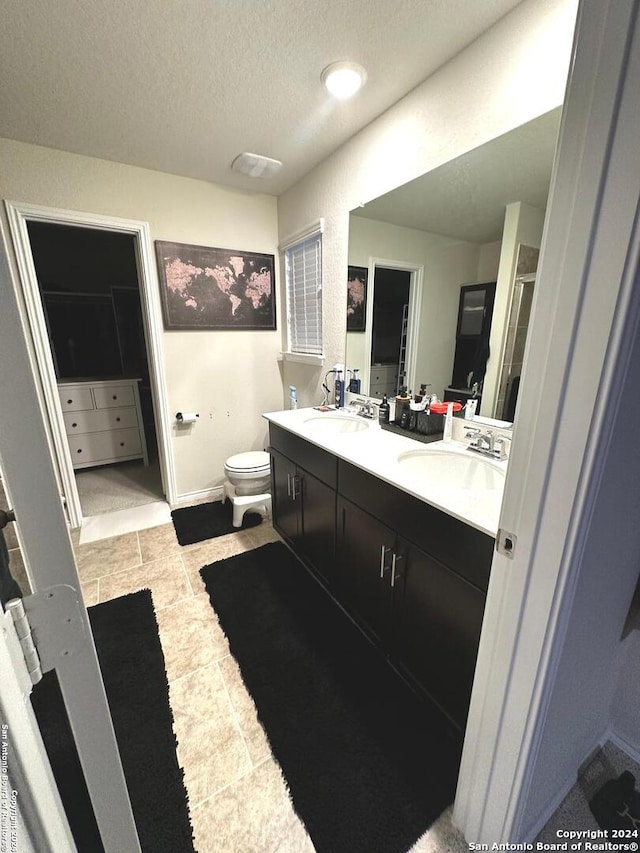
[[339, 390]]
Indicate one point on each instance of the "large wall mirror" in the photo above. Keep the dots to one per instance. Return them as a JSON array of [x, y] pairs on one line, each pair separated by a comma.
[[442, 273]]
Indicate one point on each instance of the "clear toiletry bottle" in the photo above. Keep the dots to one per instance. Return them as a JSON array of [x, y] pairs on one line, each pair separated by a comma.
[[448, 423], [293, 397]]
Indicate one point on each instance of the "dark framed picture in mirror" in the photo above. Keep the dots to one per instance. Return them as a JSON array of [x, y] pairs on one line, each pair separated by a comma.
[[356, 298]]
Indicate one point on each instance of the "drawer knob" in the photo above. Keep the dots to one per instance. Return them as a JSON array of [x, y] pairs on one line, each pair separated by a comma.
[[118, 420], [115, 397], [79, 450], [69, 402], [74, 425], [122, 444]]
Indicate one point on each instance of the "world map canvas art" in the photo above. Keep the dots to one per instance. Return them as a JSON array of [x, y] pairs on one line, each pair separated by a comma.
[[207, 288]]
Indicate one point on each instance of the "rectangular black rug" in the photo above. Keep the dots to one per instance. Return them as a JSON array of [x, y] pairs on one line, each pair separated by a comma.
[[368, 765], [206, 521], [132, 664]]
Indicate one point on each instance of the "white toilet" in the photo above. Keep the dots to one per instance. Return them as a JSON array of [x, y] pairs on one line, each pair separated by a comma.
[[248, 478]]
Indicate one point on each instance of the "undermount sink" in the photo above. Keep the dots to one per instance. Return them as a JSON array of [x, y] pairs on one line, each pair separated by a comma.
[[335, 424], [453, 470]]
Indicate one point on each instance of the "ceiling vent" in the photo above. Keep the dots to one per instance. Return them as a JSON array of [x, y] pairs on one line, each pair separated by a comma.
[[255, 165]]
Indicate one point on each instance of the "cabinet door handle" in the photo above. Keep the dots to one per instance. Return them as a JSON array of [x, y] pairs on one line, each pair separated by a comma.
[[294, 494], [383, 554], [288, 485], [394, 559]]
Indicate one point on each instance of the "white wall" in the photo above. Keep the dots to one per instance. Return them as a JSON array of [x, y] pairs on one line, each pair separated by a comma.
[[596, 684], [489, 261], [230, 378], [513, 73], [624, 716], [522, 225]]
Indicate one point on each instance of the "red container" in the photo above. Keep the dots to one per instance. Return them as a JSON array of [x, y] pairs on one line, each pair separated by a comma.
[[441, 408]]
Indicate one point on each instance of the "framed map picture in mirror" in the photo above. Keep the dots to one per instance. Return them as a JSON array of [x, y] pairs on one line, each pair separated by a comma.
[[356, 299], [207, 288]]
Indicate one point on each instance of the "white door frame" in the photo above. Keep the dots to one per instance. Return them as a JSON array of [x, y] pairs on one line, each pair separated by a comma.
[[584, 320], [19, 215], [413, 325], [28, 466], [42, 823]]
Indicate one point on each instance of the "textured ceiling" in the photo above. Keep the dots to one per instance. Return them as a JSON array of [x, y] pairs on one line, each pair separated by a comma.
[[466, 197], [183, 86]]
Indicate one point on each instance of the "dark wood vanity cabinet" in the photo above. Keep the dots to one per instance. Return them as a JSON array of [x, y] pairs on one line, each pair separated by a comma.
[[285, 508], [413, 577], [435, 609], [304, 504], [364, 552], [424, 615]]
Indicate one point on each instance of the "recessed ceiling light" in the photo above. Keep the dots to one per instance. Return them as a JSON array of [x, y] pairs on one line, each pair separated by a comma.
[[255, 165], [343, 79]]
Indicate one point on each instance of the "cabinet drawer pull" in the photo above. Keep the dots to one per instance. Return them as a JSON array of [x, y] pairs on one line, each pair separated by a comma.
[[394, 559], [383, 554], [74, 425], [115, 397], [122, 444]]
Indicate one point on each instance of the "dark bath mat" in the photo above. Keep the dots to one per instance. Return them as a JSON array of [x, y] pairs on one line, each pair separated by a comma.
[[206, 521], [616, 805], [132, 664], [368, 765]]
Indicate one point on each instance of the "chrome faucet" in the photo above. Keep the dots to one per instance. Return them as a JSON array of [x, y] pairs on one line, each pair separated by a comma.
[[488, 443], [366, 408]]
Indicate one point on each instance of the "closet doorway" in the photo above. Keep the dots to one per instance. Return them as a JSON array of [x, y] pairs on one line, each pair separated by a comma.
[[88, 283], [393, 312], [92, 305]]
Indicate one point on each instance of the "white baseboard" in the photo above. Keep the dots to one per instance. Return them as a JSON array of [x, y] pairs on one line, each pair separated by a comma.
[[214, 494], [619, 741]]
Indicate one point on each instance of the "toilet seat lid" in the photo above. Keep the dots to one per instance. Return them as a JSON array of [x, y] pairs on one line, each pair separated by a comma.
[[251, 461]]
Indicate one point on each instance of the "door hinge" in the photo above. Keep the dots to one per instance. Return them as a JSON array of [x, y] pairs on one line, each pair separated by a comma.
[[506, 543], [49, 627]]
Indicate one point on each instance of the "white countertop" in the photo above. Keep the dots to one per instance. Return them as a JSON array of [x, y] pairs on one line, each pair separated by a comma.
[[376, 450]]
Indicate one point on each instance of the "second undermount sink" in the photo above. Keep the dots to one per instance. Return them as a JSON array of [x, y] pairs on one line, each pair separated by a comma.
[[453, 470], [330, 424]]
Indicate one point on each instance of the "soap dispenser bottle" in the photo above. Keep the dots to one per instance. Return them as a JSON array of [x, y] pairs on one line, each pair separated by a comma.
[[339, 390], [383, 410]]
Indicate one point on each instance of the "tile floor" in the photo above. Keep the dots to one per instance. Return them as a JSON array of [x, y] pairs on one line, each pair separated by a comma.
[[238, 799]]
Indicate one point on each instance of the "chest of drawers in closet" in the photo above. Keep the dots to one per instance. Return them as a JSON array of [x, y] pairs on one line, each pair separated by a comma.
[[103, 421], [383, 380]]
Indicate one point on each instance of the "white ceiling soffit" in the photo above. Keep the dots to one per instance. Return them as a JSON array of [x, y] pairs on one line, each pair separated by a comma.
[[466, 198], [183, 87]]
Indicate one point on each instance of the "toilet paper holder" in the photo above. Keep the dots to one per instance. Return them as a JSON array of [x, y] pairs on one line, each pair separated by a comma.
[[186, 418]]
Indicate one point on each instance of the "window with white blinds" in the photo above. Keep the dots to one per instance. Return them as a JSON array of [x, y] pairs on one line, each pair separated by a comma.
[[303, 270]]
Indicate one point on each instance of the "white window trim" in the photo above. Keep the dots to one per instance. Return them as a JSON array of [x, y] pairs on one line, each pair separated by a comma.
[[302, 357], [311, 230]]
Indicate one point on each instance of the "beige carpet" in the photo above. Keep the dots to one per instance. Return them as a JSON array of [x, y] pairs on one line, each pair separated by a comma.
[[120, 486]]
